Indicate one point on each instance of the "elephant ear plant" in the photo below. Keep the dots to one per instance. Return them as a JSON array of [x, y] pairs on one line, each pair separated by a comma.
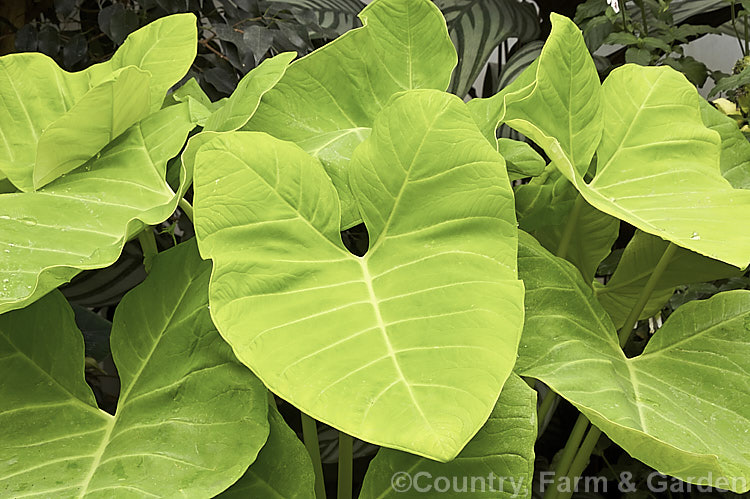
[[427, 344]]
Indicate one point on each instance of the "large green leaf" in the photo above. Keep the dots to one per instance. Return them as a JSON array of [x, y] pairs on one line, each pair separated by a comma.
[[244, 101], [190, 418], [82, 221], [660, 177], [165, 48], [559, 91], [407, 347], [641, 255], [477, 27], [545, 207], [62, 119], [98, 118], [282, 470], [326, 102], [735, 148], [502, 451], [681, 407]]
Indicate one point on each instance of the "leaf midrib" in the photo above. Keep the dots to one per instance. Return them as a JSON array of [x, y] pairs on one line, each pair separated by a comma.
[[124, 394]]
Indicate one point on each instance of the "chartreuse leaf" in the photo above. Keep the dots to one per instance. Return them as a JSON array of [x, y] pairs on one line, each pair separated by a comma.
[[522, 161], [165, 48], [244, 101], [239, 107], [572, 118], [350, 331], [735, 149], [326, 101], [681, 407], [190, 418], [283, 468], [99, 117], [83, 220], [46, 108], [497, 462], [662, 178], [620, 294], [545, 207]]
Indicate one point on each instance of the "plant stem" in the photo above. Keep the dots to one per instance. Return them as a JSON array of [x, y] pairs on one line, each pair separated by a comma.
[[643, 17], [570, 226], [568, 453], [345, 466], [734, 27], [148, 246], [310, 436], [547, 403], [646, 292], [562, 250], [582, 457], [186, 208]]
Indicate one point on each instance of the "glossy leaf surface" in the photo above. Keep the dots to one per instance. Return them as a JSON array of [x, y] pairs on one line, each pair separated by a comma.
[[407, 347], [99, 117]]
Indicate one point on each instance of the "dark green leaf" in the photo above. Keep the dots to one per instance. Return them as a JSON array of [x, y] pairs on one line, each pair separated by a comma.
[[49, 41], [75, 50]]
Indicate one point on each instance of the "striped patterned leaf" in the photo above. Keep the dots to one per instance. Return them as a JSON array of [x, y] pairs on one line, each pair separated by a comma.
[[338, 16], [518, 62], [477, 27]]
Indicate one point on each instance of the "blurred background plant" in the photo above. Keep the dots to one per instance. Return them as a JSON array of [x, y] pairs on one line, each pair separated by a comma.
[[234, 36]]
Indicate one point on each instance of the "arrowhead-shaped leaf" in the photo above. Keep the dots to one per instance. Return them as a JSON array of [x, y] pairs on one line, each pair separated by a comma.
[[407, 347], [657, 163], [558, 95], [681, 407], [189, 418], [327, 101], [83, 220], [498, 462]]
